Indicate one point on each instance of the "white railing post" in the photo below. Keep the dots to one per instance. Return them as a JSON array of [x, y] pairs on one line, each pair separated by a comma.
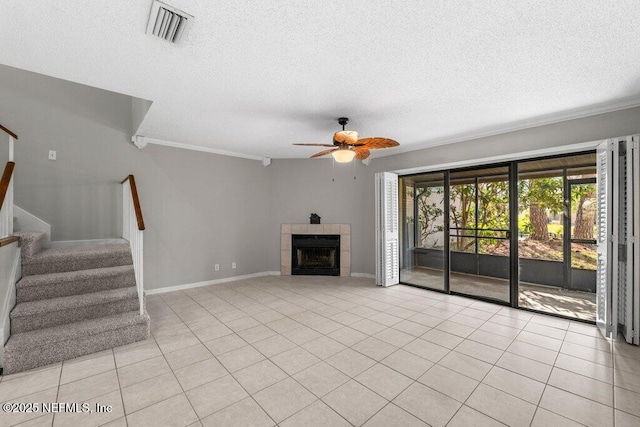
[[6, 214], [6, 210], [131, 233], [126, 200], [8, 206], [140, 278]]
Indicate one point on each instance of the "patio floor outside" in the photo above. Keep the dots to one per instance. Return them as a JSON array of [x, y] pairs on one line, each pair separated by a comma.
[[548, 299]]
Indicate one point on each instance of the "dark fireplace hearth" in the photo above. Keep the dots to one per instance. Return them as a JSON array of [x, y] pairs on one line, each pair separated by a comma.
[[315, 254]]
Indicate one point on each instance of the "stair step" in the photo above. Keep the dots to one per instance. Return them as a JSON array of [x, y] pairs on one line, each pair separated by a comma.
[[30, 242], [45, 346], [29, 316], [74, 258], [54, 285]]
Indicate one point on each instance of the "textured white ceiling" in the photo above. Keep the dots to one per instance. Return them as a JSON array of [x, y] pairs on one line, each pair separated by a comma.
[[255, 76]]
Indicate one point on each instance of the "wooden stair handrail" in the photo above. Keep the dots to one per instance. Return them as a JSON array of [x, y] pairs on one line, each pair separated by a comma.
[[8, 240], [136, 200], [9, 132], [6, 179]]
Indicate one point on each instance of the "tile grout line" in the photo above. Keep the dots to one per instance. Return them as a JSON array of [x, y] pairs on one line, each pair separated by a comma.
[[613, 373], [124, 413], [58, 390]]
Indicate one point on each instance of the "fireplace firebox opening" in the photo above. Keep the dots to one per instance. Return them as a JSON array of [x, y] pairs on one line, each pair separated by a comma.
[[315, 254]]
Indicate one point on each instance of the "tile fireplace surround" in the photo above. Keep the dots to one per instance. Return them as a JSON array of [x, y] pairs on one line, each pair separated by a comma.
[[344, 230]]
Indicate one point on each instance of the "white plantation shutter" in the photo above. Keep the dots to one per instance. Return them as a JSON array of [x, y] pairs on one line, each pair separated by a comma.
[[607, 157], [387, 250], [631, 300], [625, 291], [618, 268]]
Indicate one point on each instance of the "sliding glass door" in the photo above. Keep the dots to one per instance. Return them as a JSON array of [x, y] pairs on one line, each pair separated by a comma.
[[479, 232], [556, 231], [521, 234], [423, 230]]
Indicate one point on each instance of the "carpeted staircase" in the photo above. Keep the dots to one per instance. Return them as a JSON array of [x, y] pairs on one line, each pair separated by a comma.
[[72, 301]]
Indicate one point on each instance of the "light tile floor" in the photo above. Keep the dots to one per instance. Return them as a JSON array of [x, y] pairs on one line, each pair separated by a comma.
[[305, 351]]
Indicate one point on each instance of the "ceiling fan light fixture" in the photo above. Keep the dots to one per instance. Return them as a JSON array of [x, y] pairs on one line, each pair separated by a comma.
[[343, 155], [346, 137]]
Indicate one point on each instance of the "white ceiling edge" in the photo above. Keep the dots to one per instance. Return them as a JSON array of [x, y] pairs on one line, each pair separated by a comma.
[[523, 155], [518, 126]]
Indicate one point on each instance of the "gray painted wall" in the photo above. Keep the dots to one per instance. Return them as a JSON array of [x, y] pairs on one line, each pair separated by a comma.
[[200, 209], [78, 194], [302, 186]]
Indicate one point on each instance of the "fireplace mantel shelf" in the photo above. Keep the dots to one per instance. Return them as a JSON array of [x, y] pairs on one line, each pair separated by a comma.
[[344, 230]]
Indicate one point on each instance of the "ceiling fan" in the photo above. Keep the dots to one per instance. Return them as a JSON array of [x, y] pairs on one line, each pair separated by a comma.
[[347, 145]]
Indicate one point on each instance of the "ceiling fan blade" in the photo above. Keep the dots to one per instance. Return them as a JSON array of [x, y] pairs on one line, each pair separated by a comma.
[[361, 153], [372, 143], [316, 145], [323, 153]]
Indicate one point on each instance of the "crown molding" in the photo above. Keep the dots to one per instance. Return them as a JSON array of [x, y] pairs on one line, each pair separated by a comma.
[[523, 155], [142, 141]]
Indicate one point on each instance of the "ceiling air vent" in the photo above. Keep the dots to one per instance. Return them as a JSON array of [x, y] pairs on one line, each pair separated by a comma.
[[167, 22]]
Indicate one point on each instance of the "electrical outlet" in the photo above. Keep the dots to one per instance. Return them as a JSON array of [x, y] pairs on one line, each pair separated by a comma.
[[217, 267], [52, 155], [233, 265]]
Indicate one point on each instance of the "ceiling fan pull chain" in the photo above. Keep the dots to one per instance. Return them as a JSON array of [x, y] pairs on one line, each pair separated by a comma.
[[354, 169], [333, 169]]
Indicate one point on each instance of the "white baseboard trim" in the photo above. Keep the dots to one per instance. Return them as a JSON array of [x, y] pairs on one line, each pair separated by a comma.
[[90, 242], [366, 275], [208, 283], [227, 280]]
